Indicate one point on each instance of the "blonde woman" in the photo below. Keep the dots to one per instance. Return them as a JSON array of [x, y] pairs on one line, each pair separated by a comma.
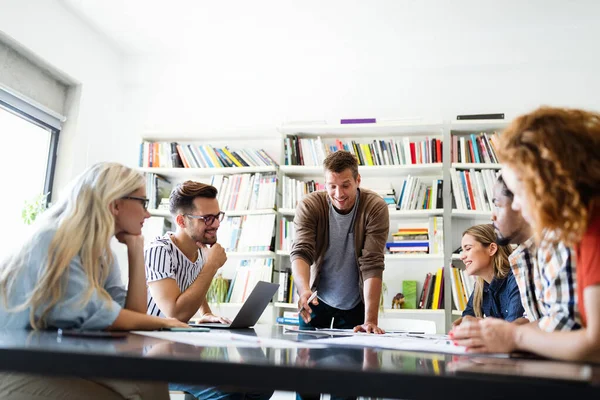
[[496, 293], [66, 276]]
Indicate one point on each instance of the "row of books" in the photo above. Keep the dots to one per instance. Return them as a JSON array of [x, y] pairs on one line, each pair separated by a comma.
[[389, 196], [248, 274], [462, 287], [418, 238], [293, 190], [286, 234], [157, 188], [247, 232], [417, 195], [475, 149], [246, 191], [175, 155], [287, 292], [312, 152], [473, 190], [432, 293]]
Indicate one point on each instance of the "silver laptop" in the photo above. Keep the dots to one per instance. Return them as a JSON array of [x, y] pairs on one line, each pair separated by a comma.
[[251, 310]]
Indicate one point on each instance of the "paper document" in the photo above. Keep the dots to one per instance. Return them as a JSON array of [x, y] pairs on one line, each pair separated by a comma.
[[406, 342], [218, 338]]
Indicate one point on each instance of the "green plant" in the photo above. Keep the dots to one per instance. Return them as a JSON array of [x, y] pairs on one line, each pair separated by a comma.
[[383, 293], [33, 208], [217, 292]]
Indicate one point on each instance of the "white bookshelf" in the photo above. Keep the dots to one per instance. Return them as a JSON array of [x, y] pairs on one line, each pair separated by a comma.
[[395, 214], [185, 173], [476, 126], [367, 170], [379, 177], [378, 129], [390, 257], [251, 254], [421, 257], [288, 212], [476, 165], [403, 311], [289, 306], [471, 214]]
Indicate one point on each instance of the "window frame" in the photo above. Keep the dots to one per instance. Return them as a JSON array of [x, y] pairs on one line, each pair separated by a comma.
[[52, 147]]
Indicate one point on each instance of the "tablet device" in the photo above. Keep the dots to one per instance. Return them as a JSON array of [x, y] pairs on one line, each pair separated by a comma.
[[190, 329], [92, 334]]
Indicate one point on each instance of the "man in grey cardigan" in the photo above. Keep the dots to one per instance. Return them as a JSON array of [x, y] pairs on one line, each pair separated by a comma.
[[339, 250]]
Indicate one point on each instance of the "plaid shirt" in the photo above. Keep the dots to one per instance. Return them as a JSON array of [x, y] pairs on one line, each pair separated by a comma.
[[548, 288]]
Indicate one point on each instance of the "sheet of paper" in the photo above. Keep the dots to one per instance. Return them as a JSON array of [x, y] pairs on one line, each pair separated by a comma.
[[223, 338], [396, 343]]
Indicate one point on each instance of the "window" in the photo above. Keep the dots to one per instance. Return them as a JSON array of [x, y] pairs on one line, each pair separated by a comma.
[[27, 165]]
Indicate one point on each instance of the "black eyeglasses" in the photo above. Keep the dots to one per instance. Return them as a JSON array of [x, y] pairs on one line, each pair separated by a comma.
[[143, 200], [208, 219]]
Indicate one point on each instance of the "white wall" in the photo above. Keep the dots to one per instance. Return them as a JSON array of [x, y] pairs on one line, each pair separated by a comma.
[[94, 106], [58, 37], [259, 64]]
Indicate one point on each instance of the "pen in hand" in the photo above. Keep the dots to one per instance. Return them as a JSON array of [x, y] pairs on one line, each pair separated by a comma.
[[305, 309]]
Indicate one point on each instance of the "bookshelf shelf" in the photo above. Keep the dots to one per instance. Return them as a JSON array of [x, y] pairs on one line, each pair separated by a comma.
[[413, 256], [233, 213], [288, 212], [285, 253], [476, 166], [471, 214], [193, 172], [415, 213], [395, 128], [291, 306], [367, 170], [251, 254], [478, 125], [410, 311]]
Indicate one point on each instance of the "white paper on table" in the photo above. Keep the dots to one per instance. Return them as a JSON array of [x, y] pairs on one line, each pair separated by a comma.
[[226, 338], [395, 343]]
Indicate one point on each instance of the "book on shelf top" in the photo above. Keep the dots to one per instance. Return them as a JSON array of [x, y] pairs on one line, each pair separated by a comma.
[[181, 155], [309, 151]]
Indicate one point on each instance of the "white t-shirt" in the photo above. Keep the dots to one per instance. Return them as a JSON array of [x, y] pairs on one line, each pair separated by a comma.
[[164, 260]]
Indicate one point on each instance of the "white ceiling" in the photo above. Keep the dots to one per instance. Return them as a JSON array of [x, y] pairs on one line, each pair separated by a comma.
[[160, 27]]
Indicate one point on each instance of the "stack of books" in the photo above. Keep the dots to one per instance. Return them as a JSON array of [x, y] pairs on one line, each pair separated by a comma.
[[409, 240]]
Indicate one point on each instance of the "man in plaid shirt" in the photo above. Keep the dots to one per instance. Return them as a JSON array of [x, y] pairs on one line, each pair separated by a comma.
[[545, 275]]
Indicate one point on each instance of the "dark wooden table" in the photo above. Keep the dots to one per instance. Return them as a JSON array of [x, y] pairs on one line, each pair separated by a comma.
[[337, 370]]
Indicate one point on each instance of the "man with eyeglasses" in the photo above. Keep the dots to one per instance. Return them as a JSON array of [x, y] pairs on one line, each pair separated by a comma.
[[181, 265]]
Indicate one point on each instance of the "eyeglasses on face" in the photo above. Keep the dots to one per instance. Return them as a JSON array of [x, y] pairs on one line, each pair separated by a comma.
[[143, 200], [208, 219]]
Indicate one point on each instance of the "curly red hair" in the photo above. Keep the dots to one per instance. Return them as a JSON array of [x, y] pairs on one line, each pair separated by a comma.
[[557, 154]]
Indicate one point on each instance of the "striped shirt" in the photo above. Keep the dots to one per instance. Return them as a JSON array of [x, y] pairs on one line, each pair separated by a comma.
[[547, 285], [164, 260]]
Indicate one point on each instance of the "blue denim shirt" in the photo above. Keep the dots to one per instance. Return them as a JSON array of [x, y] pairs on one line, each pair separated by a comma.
[[501, 299]]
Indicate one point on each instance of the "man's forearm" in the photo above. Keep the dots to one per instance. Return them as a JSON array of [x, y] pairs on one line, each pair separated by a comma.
[[372, 294], [194, 297], [301, 274]]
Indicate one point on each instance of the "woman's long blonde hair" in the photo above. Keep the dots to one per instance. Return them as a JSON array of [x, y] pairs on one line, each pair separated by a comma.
[[557, 153], [485, 235], [84, 226]]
